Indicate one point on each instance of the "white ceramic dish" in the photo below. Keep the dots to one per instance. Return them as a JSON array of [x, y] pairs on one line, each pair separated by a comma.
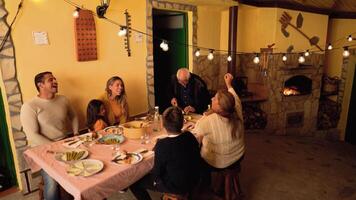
[[129, 158], [87, 167], [71, 155]]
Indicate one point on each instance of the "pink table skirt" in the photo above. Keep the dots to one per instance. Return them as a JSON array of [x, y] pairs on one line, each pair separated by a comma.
[[112, 178]]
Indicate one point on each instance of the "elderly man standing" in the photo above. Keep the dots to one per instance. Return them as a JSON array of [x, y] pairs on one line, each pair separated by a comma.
[[44, 119], [189, 92]]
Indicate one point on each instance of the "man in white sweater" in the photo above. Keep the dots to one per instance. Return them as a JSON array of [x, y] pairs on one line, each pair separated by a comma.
[[44, 119]]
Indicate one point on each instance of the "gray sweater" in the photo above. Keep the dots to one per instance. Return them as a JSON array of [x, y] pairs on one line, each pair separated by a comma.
[[45, 121]]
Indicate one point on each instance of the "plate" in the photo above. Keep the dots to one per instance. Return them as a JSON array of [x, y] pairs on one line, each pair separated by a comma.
[[112, 129], [87, 167], [111, 139], [70, 155], [129, 158]]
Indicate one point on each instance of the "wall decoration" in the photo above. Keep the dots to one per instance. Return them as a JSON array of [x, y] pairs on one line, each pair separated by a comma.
[[128, 35], [85, 36], [285, 21]]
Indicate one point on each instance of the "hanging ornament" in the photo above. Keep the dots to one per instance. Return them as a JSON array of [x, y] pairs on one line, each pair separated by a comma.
[[229, 58]]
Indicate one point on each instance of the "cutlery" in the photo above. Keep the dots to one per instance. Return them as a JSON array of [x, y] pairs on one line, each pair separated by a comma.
[[72, 142]]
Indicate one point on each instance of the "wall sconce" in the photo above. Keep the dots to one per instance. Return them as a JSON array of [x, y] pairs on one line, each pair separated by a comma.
[[101, 9]]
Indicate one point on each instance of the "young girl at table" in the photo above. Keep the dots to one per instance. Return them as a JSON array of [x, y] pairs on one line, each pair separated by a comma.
[[96, 115]]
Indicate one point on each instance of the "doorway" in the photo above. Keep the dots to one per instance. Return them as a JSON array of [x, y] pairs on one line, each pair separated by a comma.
[[7, 166], [350, 127], [170, 26]]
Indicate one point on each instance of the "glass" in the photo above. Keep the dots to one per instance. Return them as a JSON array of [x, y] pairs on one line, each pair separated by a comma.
[[116, 147]]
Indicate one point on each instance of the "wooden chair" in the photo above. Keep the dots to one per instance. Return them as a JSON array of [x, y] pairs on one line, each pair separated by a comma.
[[226, 184], [168, 196]]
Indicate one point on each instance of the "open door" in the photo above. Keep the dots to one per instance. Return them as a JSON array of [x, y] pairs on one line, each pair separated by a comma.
[[350, 127], [7, 167], [171, 26]]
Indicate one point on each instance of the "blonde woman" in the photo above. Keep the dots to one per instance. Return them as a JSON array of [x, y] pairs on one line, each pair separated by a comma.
[[115, 101], [221, 131]]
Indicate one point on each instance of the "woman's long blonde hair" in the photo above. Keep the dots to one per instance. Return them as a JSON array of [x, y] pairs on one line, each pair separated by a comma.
[[122, 98], [227, 104]]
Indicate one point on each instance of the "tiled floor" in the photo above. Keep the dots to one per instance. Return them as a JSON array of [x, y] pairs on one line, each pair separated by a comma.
[[287, 167]]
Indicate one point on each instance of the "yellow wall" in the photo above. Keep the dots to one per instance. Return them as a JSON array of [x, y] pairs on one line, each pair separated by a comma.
[[256, 28], [224, 30], [209, 19], [339, 30], [259, 27], [79, 81]]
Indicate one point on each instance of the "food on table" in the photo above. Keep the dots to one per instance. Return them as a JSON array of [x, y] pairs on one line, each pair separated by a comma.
[[73, 155], [85, 167], [128, 158], [111, 139]]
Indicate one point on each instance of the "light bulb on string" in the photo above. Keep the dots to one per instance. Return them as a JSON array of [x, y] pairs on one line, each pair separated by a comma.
[[76, 13], [301, 59], [330, 46], [197, 53], [346, 52], [256, 59], [284, 58], [122, 31], [349, 38], [164, 45], [306, 53], [229, 58], [211, 55]]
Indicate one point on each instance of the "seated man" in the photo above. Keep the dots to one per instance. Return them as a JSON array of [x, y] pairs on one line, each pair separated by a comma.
[[189, 92], [177, 160], [44, 120]]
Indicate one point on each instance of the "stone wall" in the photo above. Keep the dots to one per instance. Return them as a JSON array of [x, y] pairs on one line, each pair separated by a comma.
[[279, 108], [12, 91]]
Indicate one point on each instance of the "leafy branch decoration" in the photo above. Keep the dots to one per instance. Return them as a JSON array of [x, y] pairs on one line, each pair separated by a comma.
[[285, 21]]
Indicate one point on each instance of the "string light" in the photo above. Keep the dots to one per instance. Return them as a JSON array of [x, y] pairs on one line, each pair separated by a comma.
[[211, 55], [256, 59], [229, 58], [307, 53], [76, 13], [165, 47], [346, 52], [197, 53], [330, 46], [284, 58], [122, 31], [301, 59], [349, 38]]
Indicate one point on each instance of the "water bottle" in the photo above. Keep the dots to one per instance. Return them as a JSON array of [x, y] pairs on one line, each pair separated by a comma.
[[156, 120]]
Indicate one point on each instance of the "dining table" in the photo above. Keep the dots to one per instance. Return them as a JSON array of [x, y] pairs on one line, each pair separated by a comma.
[[112, 178]]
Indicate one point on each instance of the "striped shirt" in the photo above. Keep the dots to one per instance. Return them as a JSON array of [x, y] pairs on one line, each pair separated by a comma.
[[219, 149]]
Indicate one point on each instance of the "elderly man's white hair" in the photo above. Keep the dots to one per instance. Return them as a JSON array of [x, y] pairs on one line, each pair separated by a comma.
[[184, 71]]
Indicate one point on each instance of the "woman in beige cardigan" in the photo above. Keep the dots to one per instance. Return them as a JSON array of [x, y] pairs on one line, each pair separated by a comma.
[[221, 130], [115, 101]]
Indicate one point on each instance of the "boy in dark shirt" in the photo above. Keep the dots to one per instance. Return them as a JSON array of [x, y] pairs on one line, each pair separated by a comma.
[[177, 160]]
